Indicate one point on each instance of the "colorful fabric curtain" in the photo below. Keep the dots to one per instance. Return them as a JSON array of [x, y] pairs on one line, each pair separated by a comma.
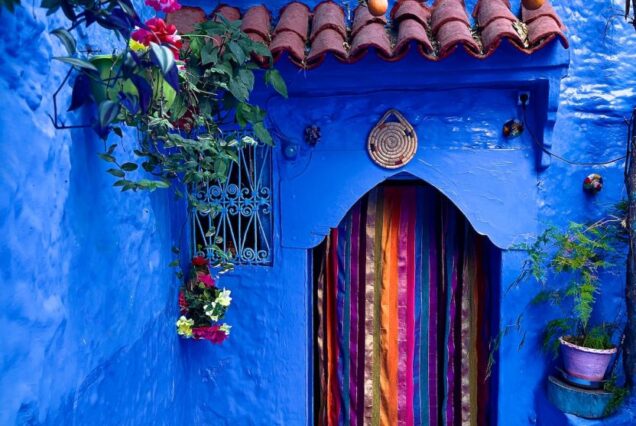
[[402, 310]]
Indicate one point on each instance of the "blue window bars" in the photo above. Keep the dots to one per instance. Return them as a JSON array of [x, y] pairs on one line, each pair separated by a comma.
[[241, 223]]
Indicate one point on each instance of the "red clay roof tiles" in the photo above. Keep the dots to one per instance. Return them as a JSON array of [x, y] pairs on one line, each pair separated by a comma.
[[257, 21], [306, 37]]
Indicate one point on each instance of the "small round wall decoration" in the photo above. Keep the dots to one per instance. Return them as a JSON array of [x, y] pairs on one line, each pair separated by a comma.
[[593, 183], [392, 144]]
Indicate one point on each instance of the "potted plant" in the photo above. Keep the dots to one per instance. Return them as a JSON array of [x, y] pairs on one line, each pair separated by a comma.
[[567, 264]]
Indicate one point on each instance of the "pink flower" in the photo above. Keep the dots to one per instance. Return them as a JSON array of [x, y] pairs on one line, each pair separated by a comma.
[[159, 32], [206, 279], [213, 333], [183, 303], [167, 6]]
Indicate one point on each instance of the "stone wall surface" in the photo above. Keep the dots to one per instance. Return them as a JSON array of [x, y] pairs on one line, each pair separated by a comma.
[[88, 303]]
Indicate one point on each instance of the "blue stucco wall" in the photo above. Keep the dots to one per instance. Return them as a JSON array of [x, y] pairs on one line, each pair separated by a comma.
[[88, 303]]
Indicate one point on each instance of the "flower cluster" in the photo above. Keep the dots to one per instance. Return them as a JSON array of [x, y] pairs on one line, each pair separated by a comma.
[[157, 31], [202, 305]]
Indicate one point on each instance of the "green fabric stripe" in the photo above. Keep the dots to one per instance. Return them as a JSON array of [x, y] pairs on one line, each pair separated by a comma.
[[346, 359]]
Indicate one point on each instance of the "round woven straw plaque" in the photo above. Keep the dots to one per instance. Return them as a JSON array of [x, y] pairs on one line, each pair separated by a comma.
[[392, 144]]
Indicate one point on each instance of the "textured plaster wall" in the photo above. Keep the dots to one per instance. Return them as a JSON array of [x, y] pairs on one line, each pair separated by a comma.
[[87, 302]]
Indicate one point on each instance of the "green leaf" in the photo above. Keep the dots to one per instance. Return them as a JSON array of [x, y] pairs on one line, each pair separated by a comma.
[[209, 54], [116, 173], [67, 39], [237, 52], [129, 167], [163, 57], [79, 63], [261, 49], [247, 78], [107, 157], [108, 111], [262, 134], [274, 79], [238, 89]]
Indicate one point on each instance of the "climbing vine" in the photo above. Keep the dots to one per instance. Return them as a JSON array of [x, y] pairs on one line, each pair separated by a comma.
[[186, 95]]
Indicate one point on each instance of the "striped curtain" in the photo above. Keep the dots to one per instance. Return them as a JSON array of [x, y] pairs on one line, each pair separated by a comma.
[[402, 314]]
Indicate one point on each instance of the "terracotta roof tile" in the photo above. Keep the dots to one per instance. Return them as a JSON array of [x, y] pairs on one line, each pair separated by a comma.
[[371, 35], [228, 12], [496, 31], [294, 17], [529, 16], [328, 15], [327, 40], [257, 20], [306, 38], [411, 9], [412, 30], [363, 17], [186, 19], [288, 42], [488, 11], [544, 29], [446, 11], [455, 33]]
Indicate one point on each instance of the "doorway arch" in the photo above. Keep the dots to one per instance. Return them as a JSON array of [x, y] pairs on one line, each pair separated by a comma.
[[405, 304]]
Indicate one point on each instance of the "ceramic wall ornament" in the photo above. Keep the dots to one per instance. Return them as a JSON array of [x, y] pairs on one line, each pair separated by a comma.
[[512, 128], [392, 144], [312, 135], [593, 183]]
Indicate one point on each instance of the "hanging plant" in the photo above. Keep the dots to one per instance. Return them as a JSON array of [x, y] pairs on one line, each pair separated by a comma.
[[181, 92], [203, 305]]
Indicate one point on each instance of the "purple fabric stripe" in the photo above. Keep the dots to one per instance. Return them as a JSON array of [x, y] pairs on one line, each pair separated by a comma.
[[361, 260], [402, 260], [433, 402]]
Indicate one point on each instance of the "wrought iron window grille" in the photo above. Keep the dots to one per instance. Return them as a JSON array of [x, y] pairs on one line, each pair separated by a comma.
[[240, 223]]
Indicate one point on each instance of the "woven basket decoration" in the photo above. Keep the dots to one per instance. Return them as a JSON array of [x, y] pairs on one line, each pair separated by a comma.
[[392, 144]]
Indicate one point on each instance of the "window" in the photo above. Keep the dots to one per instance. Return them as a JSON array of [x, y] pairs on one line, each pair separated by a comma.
[[241, 224]]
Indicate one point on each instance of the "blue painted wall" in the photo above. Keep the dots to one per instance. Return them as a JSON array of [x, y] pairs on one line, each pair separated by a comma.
[[88, 304]]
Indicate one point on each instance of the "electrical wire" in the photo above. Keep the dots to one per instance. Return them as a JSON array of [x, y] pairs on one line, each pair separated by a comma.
[[559, 157]]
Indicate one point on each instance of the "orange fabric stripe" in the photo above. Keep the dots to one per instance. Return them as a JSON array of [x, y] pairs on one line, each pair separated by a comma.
[[389, 311]]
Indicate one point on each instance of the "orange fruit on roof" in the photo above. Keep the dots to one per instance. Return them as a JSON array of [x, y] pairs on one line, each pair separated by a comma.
[[378, 7]]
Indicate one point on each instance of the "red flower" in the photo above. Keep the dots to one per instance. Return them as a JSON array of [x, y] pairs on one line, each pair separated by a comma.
[[159, 32], [206, 279], [213, 333], [183, 303], [200, 261]]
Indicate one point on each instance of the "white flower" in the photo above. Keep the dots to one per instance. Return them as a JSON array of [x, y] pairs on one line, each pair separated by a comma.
[[224, 298], [248, 140], [226, 329], [209, 311]]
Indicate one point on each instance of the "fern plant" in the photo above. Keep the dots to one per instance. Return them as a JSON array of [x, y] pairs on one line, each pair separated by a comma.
[[576, 256]]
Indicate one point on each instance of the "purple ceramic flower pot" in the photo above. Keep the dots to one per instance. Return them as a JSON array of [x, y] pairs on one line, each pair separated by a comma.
[[585, 363]]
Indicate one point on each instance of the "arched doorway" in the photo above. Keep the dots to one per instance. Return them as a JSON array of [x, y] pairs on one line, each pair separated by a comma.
[[405, 298]]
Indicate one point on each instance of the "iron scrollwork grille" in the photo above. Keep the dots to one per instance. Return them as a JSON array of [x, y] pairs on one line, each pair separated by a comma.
[[241, 223]]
